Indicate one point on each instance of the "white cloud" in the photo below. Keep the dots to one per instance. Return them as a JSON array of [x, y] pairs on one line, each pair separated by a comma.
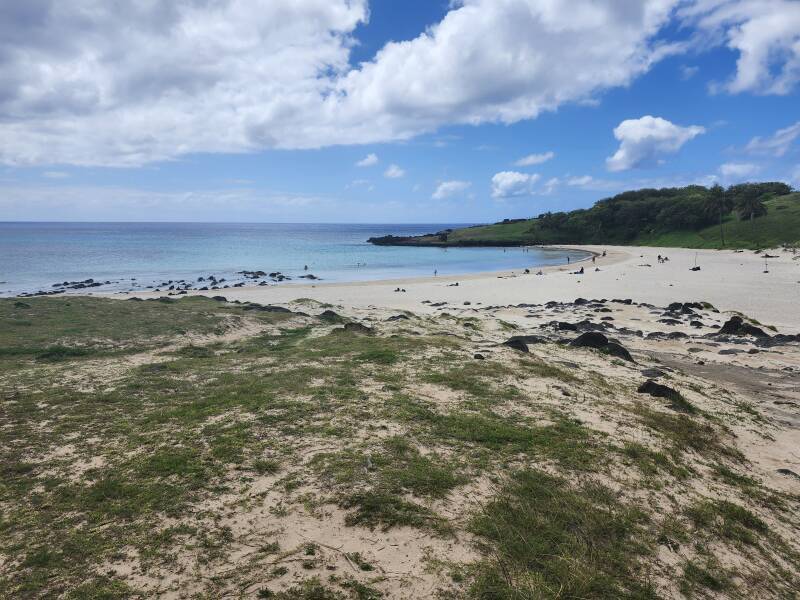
[[450, 188], [776, 144], [644, 140], [738, 170], [578, 181], [89, 82], [550, 186], [394, 172], [795, 178], [587, 182], [766, 35], [508, 184], [534, 159], [368, 161]]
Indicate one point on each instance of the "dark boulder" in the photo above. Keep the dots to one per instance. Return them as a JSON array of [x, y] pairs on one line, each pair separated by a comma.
[[672, 322], [528, 340], [267, 308], [219, 298], [596, 340], [676, 335], [788, 473], [590, 339], [358, 328], [737, 326], [330, 316], [398, 318], [618, 350], [516, 344], [652, 373], [657, 390]]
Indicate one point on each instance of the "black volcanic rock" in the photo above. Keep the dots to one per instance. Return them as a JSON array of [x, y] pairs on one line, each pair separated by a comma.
[[737, 326]]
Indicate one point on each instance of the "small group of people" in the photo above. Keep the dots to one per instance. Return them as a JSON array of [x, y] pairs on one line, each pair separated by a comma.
[[662, 259]]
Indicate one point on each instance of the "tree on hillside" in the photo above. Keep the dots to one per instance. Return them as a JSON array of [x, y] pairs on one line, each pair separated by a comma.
[[718, 203], [750, 204]]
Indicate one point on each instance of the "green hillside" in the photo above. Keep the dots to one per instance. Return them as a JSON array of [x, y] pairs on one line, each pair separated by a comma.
[[781, 225], [757, 215]]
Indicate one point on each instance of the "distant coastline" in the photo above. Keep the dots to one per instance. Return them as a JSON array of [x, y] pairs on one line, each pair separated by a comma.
[[747, 216]]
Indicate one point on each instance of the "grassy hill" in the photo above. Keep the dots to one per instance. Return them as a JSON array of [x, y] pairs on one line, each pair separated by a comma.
[[781, 225], [673, 217]]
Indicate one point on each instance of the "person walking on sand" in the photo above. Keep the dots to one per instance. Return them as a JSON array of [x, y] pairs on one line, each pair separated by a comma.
[[435, 273]]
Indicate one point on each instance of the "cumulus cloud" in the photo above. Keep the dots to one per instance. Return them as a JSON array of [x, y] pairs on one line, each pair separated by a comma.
[[89, 82], [738, 170], [550, 186], [643, 141], [394, 172], [776, 144], [764, 33], [368, 161], [534, 159], [587, 182], [124, 83], [450, 188], [508, 184]]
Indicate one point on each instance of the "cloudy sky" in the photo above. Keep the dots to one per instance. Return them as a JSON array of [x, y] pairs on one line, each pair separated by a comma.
[[386, 111]]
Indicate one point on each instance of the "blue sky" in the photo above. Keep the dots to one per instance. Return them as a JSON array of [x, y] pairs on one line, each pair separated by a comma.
[[267, 117]]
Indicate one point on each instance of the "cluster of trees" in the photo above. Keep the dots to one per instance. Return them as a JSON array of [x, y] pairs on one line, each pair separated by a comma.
[[639, 213]]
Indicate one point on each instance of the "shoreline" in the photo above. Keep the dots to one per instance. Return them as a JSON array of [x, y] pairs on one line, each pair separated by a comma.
[[90, 286], [730, 280]]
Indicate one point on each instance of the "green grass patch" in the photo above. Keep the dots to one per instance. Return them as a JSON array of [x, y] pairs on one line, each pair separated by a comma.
[[697, 578], [652, 463], [727, 520], [548, 539]]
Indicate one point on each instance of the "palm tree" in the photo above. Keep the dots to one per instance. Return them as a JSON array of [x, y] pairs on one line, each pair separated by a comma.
[[718, 203], [751, 205]]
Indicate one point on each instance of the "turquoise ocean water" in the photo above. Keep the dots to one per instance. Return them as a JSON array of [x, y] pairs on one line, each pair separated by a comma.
[[34, 256]]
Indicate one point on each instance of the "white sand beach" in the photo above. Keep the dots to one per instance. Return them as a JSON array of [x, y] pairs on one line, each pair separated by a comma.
[[730, 280]]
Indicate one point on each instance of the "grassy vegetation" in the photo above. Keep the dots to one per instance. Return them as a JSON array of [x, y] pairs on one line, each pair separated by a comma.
[[781, 225], [134, 439], [604, 225], [551, 540]]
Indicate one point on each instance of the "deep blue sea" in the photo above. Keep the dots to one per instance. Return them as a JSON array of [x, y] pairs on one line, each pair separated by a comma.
[[34, 256]]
